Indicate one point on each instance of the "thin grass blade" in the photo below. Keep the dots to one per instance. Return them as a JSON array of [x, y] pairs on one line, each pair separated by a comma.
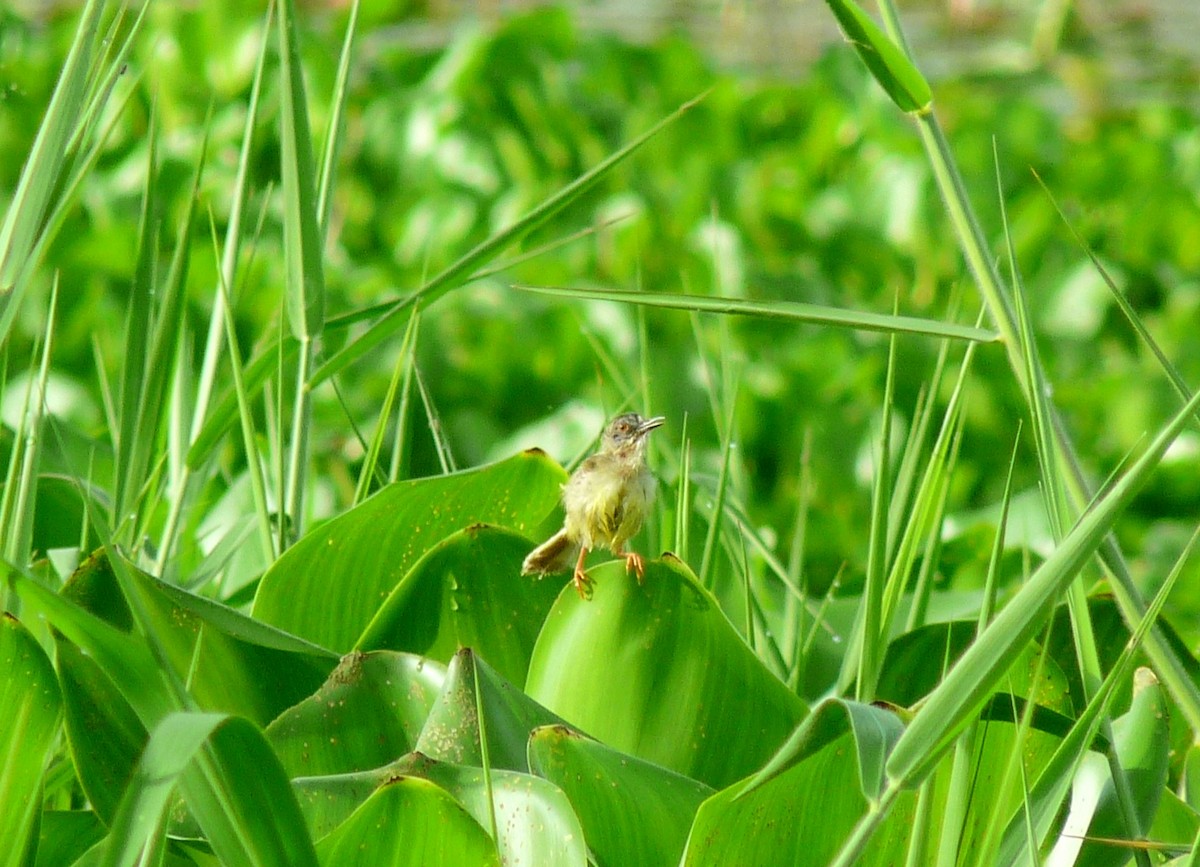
[[812, 314]]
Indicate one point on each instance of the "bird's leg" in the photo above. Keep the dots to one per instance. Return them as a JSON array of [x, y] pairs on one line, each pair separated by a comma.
[[583, 584], [634, 561]]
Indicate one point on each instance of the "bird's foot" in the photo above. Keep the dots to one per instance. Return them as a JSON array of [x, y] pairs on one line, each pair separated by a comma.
[[583, 584], [637, 563]]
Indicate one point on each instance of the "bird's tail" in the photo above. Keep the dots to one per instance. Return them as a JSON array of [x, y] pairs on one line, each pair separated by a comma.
[[553, 555]]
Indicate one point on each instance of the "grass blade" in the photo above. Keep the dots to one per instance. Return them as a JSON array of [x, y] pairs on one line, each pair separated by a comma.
[[893, 70], [813, 314]]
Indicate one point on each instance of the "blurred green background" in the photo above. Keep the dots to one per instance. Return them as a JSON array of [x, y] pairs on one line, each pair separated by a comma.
[[794, 179]]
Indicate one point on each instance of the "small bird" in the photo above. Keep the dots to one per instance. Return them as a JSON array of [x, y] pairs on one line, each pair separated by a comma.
[[605, 502]]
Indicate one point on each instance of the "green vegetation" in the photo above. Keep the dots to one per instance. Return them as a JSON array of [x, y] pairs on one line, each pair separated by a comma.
[[288, 300]]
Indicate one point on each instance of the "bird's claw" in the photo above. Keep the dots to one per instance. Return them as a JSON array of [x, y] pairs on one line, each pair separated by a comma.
[[637, 563], [583, 584]]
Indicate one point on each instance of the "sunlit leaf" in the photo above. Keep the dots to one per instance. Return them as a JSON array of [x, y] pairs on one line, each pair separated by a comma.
[[368, 713], [801, 809], [656, 670], [408, 822], [32, 707], [452, 731], [468, 592], [329, 585], [632, 811]]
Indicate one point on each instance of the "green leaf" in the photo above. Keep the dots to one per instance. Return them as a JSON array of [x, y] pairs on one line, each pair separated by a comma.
[[119, 655], [656, 670], [32, 705], [535, 823], [809, 798], [791, 311], [301, 235], [66, 835], [368, 713], [226, 786], [103, 730], [451, 732], [468, 591], [329, 585], [875, 731], [408, 822], [893, 70], [232, 663], [140, 821], [60, 513], [534, 819], [632, 811], [225, 412]]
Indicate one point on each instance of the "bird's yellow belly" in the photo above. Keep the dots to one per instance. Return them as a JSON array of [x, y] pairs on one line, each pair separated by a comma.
[[608, 512]]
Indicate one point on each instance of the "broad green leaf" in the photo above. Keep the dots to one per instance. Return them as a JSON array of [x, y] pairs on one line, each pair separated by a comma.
[[408, 822], [30, 709], [66, 835], [368, 713], [632, 811], [329, 585], [232, 663], [103, 730], [1175, 824], [656, 670], [534, 819], [792, 311], [59, 515], [468, 591], [893, 70], [980, 670], [451, 733], [806, 803], [535, 823]]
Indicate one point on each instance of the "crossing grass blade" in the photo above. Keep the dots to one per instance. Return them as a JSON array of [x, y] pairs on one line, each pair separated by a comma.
[[963, 691], [965, 687], [393, 320]]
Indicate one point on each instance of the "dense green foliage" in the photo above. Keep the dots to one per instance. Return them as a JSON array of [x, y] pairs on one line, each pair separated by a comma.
[[365, 492]]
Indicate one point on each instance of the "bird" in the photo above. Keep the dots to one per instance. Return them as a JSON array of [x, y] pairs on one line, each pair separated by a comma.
[[605, 502]]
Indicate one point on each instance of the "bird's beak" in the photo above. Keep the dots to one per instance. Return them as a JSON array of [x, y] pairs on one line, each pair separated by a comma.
[[650, 424]]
